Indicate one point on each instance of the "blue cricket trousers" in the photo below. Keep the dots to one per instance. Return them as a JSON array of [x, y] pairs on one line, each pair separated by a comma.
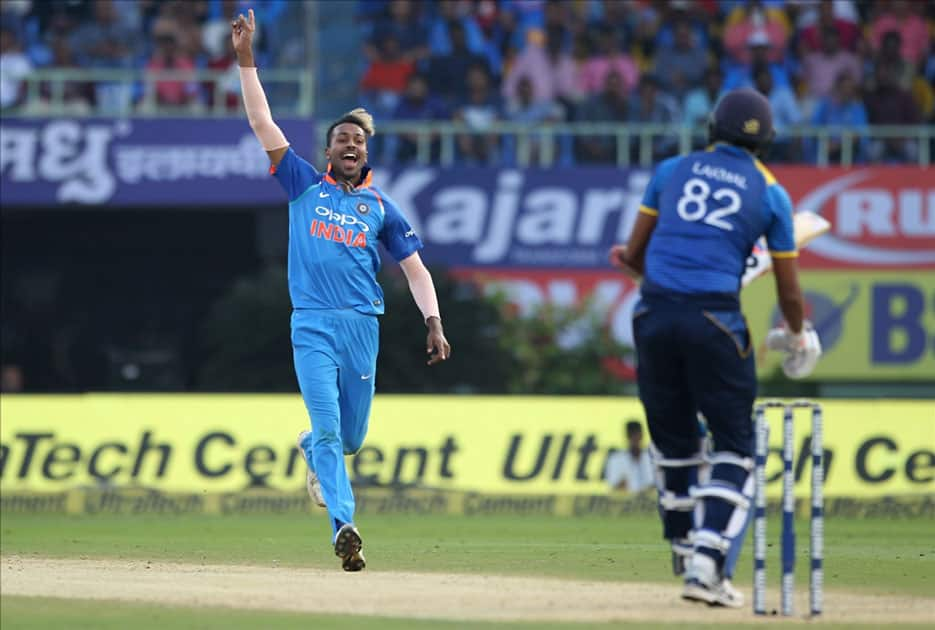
[[335, 354]]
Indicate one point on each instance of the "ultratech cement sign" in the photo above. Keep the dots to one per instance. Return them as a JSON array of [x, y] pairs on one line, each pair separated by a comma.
[[492, 445]]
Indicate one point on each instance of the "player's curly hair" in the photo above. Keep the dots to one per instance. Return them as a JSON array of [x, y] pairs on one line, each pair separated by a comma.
[[360, 117]]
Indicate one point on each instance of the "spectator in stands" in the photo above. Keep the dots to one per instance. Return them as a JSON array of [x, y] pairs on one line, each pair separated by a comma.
[[700, 102], [218, 45], [417, 103], [165, 57], [650, 105], [76, 96], [478, 113], [741, 75], [890, 104], [842, 107], [446, 73], [405, 25], [610, 56], [786, 112], [841, 15], [890, 54], [385, 78], [14, 67], [610, 105], [755, 19], [106, 42], [681, 66], [525, 109], [187, 16], [821, 69], [440, 40], [901, 16], [550, 69]]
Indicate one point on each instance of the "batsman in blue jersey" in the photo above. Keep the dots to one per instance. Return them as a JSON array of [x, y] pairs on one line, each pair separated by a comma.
[[336, 219], [700, 217]]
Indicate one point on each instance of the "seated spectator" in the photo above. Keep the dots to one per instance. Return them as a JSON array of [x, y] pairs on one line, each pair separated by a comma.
[[701, 101], [172, 92], [550, 69], [14, 67], [446, 74], [524, 109], [650, 105], [741, 75], [416, 104], [902, 16], [681, 66], [106, 42], [890, 104], [385, 78], [220, 49], [609, 56], [890, 54], [753, 18], [76, 96], [841, 15], [610, 105], [440, 43], [404, 24], [842, 107], [478, 113], [821, 69], [786, 112]]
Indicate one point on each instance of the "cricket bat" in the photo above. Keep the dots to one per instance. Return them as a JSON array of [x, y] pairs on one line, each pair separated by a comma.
[[807, 226]]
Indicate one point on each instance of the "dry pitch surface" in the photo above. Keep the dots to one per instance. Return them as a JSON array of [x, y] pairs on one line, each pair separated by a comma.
[[395, 594]]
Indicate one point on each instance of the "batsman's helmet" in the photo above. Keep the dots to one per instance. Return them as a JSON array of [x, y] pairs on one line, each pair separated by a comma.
[[743, 117]]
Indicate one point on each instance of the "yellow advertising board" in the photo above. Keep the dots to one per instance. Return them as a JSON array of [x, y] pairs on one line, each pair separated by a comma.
[[518, 445], [873, 325]]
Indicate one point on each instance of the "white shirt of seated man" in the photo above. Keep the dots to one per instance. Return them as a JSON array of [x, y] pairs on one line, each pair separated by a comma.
[[630, 469]]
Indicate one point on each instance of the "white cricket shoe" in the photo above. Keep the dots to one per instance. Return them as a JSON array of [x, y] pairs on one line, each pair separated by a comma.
[[311, 479], [349, 547], [703, 584]]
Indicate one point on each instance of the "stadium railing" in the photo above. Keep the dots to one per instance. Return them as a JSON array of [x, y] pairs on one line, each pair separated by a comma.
[[290, 92], [636, 143]]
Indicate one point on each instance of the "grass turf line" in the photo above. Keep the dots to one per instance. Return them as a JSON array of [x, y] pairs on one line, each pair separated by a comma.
[[872, 555]]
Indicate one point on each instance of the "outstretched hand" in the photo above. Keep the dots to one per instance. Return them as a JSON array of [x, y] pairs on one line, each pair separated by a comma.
[[242, 30], [437, 347]]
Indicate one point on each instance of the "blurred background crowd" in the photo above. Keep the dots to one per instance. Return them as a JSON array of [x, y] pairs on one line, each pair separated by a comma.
[[529, 62]]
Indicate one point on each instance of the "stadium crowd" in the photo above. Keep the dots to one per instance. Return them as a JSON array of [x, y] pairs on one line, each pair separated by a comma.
[[142, 35], [531, 62]]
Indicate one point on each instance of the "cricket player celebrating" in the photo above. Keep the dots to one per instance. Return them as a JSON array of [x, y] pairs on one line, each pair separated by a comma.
[[700, 217], [335, 221]]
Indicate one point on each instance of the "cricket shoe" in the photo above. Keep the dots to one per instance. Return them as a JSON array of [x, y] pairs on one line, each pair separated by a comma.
[[703, 584], [311, 479], [349, 547]]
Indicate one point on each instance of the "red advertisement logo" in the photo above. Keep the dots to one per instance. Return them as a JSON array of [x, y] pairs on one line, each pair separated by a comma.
[[881, 217]]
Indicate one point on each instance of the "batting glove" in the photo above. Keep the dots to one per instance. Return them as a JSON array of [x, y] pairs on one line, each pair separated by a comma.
[[802, 350]]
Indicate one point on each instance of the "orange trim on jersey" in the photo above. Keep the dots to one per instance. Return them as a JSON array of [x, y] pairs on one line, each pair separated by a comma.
[[366, 183], [379, 200], [792, 254], [650, 211]]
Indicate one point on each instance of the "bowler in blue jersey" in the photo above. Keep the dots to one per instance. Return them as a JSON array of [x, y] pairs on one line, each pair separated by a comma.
[[336, 220], [697, 225]]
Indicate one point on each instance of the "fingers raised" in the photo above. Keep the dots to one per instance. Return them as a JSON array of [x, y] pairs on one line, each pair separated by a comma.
[[252, 23]]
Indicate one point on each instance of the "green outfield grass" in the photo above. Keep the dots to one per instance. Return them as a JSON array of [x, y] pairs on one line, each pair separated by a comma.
[[875, 556]]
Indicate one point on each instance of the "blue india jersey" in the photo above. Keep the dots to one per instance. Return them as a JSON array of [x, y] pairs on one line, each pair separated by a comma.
[[333, 234], [712, 206]]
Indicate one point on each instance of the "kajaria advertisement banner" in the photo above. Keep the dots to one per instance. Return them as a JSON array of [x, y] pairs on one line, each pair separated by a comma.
[[519, 445]]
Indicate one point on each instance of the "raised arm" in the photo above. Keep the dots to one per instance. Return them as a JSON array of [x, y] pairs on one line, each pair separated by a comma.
[[267, 132], [423, 293]]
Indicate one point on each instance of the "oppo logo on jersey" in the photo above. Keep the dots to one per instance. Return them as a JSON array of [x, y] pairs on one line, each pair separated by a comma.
[[324, 228]]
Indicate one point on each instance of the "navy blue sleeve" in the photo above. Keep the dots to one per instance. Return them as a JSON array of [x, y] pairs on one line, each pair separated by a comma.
[[400, 240], [294, 174], [780, 236]]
